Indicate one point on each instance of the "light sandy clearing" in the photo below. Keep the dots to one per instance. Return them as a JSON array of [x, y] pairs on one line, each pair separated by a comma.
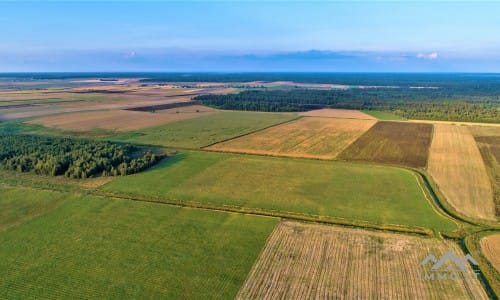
[[337, 113], [307, 137], [458, 169], [490, 246], [120, 120], [305, 261], [455, 123], [485, 130]]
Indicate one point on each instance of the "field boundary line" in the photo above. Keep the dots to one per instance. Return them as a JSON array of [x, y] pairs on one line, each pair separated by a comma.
[[449, 209], [435, 206], [318, 219], [272, 213], [261, 253], [254, 131]]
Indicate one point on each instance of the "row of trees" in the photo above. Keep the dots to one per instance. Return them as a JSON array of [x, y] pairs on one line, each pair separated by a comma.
[[409, 103], [74, 158]]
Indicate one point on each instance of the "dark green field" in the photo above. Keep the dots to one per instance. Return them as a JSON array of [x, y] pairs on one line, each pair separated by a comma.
[[392, 143], [383, 115], [376, 194], [101, 248]]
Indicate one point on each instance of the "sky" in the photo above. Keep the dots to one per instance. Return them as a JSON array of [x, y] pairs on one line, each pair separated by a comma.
[[228, 36]]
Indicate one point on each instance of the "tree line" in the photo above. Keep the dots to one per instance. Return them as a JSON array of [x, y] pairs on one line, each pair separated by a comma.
[[74, 158], [434, 104]]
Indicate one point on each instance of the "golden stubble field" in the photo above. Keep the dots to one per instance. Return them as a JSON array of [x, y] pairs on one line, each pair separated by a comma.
[[458, 169], [490, 247], [121, 120], [308, 137], [488, 141], [306, 261]]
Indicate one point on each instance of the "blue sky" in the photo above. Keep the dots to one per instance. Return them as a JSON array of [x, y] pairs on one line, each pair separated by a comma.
[[250, 36]]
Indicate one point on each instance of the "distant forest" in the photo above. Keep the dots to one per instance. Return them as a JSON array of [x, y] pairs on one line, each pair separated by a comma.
[[74, 158], [450, 104]]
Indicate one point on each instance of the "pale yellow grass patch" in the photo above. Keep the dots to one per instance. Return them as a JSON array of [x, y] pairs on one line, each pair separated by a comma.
[[458, 169], [306, 261], [92, 183], [120, 120], [307, 137], [337, 113], [490, 246]]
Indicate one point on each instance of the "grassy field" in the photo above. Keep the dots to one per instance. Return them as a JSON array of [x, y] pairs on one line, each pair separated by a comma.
[[339, 189], [17, 206], [92, 248], [20, 127], [204, 131], [490, 247], [312, 137], [304, 261], [383, 115], [393, 143], [456, 166], [488, 141]]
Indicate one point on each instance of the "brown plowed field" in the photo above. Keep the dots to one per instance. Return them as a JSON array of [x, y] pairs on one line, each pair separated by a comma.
[[393, 143]]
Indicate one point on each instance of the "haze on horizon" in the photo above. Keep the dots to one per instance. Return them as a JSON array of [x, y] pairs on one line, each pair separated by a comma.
[[254, 36]]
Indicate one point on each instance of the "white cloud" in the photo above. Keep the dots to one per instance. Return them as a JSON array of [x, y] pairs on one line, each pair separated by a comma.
[[431, 56], [132, 54]]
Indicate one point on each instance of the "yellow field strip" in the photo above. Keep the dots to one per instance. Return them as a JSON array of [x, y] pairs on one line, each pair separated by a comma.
[[457, 167]]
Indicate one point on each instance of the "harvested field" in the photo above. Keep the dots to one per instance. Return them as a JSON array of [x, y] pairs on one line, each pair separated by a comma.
[[308, 137], [337, 113], [393, 143], [121, 120], [490, 247], [94, 98], [304, 261], [488, 141], [458, 169]]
